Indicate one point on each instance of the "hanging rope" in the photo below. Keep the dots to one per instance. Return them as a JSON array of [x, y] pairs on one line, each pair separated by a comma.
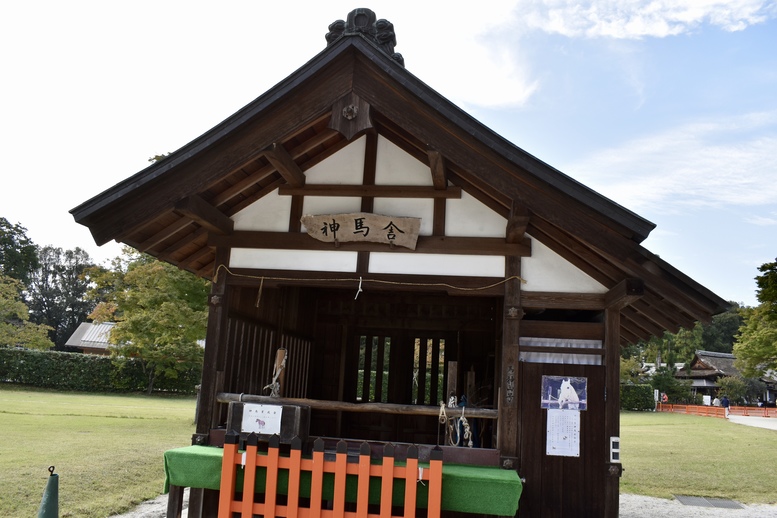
[[452, 426], [361, 281]]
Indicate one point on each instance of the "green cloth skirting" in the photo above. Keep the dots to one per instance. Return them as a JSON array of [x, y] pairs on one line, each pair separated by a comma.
[[465, 488]]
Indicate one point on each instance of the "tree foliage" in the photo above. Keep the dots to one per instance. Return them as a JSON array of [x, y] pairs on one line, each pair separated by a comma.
[[57, 291], [767, 287], [756, 348], [734, 387], [678, 391], [160, 310], [18, 254], [15, 328]]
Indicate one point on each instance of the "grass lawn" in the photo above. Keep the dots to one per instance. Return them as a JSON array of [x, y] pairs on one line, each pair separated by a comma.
[[107, 449], [672, 454]]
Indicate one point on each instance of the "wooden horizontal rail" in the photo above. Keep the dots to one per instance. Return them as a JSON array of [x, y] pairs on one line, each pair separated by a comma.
[[343, 406]]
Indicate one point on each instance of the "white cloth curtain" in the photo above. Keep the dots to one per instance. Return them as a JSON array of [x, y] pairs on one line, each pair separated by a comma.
[[567, 358]]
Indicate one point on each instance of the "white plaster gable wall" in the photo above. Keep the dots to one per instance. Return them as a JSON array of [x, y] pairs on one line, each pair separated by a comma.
[[395, 167], [469, 217], [316, 261], [438, 264], [545, 270], [270, 214], [346, 167]]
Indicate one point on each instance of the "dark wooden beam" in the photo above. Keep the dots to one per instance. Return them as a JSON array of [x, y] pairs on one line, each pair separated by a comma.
[[375, 191], [182, 242], [165, 233], [205, 214], [280, 158], [625, 293], [549, 329], [612, 401], [437, 167], [509, 403], [266, 170], [554, 300], [517, 223], [250, 180], [425, 244], [350, 115]]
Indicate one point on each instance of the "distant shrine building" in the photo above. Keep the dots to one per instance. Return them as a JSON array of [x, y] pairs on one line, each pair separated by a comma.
[[374, 251]]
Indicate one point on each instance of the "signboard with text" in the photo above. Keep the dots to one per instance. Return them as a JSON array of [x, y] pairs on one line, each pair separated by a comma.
[[363, 227]]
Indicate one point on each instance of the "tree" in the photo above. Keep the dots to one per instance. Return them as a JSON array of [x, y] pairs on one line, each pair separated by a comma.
[[18, 254], [756, 347], [161, 313], [15, 328], [767, 287], [734, 387], [57, 291], [631, 371], [664, 380]]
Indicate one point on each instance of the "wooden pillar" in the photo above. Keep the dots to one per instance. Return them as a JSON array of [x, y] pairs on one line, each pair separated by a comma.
[[215, 338], [612, 348], [200, 501], [508, 431]]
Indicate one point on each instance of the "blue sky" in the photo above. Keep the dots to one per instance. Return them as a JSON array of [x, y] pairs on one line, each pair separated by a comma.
[[668, 107]]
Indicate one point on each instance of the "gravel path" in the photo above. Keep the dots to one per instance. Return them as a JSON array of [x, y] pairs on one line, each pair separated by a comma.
[[631, 506]]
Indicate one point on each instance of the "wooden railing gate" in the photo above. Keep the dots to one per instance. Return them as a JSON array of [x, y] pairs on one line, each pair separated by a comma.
[[312, 507]]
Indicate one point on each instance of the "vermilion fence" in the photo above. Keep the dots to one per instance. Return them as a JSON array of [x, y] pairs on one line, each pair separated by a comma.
[[313, 471], [716, 411]]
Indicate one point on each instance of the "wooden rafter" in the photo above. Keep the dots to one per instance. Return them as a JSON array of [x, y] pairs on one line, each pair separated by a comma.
[[624, 293], [280, 158], [205, 214], [165, 233]]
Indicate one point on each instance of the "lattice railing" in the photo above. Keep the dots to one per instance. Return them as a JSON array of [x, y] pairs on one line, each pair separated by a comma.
[[303, 481]]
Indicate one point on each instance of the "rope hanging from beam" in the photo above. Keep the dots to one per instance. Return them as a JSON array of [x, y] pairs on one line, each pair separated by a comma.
[[362, 280]]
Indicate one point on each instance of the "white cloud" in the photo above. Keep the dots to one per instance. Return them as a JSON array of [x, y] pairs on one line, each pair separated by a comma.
[[761, 221], [633, 19], [707, 163]]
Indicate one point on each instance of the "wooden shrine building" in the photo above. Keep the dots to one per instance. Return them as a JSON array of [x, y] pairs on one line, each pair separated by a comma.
[[402, 254]]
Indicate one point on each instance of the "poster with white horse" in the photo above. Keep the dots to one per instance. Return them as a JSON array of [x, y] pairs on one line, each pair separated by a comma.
[[564, 393]]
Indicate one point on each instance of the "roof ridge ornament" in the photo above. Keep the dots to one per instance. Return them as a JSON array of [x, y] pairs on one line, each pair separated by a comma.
[[364, 22]]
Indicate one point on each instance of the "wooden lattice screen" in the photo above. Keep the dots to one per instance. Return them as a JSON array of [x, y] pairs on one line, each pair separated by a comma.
[[312, 505]]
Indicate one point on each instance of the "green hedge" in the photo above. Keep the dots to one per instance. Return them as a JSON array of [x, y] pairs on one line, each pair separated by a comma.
[[637, 397], [84, 373]]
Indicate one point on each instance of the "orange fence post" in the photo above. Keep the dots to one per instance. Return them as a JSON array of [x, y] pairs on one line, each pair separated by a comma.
[[271, 476], [411, 481], [317, 477], [387, 481], [363, 484], [435, 484], [249, 476], [228, 474], [295, 466], [341, 461]]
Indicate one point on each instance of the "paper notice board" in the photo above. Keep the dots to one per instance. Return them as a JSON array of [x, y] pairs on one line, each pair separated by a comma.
[[563, 435]]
